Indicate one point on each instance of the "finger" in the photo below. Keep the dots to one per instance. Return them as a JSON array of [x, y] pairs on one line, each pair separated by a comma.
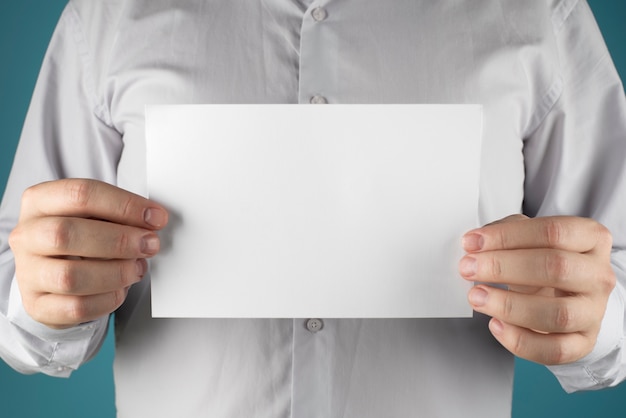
[[547, 314], [62, 311], [61, 236], [511, 218], [559, 232], [92, 199], [548, 349], [568, 271], [83, 277]]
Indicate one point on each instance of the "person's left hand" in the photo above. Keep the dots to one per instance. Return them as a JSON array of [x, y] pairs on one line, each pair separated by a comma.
[[559, 279]]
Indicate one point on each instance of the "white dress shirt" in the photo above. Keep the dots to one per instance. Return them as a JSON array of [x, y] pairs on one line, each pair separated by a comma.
[[554, 143]]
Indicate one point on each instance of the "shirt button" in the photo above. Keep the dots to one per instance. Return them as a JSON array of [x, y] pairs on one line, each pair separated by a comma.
[[314, 324], [317, 99], [319, 14]]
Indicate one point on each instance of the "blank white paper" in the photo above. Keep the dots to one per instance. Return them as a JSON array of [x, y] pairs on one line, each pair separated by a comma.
[[295, 211]]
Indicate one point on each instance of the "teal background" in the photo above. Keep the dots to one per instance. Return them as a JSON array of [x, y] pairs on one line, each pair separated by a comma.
[[25, 28]]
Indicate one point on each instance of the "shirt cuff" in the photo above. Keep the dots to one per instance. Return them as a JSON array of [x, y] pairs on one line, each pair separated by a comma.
[[599, 368], [56, 352]]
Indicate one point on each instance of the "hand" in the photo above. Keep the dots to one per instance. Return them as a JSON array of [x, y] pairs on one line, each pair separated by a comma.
[[559, 279], [79, 245]]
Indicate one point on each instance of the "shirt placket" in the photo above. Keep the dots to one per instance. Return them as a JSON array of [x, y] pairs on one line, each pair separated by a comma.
[[312, 377], [318, 56]]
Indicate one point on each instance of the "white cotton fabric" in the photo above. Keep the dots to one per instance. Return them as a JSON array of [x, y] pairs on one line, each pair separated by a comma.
[[554, 143]]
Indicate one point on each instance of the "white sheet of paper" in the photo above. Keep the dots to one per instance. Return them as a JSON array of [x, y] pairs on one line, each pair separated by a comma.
[[336, 211]]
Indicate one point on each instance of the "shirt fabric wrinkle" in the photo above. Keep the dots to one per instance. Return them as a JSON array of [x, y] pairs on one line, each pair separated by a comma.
[[359, 52]]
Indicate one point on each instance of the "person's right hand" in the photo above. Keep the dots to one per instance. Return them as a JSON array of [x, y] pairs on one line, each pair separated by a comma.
[[79, 245]]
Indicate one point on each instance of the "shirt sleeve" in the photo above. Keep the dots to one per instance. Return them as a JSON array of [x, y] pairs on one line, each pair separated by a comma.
[[65, 135], [575, 165]]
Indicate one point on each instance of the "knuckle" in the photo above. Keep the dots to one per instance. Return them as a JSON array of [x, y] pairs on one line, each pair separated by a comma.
[[564, 318], [64, 278], [15, 238], [121, 276], [508, 306], [496, 268], [567, 349], [79, 192], [503, 239], [77, 310], [553, 232], [520, 345], [557, 266], [119, 296], [559, 353], [124, 274], [608, 281], [123, 244], [58, 233], [29, 196], [604, 236], [127, 207], [34, 305]]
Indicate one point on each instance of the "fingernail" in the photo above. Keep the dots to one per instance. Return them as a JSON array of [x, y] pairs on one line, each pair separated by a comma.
[[150, 244], [142, 267], [477, 296], [155, 217], [472, 242], [496, 326], [468, 266]]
